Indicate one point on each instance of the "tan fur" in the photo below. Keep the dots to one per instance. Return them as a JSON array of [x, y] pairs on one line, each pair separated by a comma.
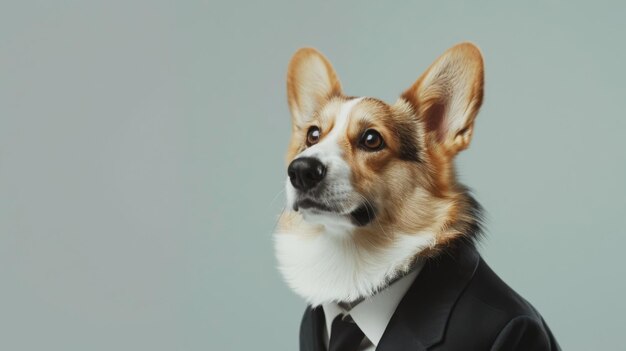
[[411, 197], [311, 80], [459, 68]]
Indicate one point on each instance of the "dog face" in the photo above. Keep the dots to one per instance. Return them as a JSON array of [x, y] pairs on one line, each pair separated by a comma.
[[356, 160], [374, 178]]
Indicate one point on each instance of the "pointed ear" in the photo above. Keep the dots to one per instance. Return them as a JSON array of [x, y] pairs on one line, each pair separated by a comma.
[[311, 80], [448, 95]]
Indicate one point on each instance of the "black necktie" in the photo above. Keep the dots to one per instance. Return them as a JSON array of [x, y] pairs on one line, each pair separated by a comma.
[[344, 335]]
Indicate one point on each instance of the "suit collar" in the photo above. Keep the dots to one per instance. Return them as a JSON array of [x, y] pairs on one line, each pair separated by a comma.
[[422, 316]]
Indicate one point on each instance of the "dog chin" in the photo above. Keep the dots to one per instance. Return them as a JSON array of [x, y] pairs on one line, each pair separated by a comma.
[[326, 218]]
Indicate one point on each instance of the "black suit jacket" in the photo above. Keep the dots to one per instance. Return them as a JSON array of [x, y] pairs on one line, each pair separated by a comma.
[[456, 303]]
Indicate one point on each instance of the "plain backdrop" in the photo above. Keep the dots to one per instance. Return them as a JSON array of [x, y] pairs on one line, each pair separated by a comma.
[[142, 160]]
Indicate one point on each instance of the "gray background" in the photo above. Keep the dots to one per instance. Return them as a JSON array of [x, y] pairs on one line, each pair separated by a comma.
[[141, 160]]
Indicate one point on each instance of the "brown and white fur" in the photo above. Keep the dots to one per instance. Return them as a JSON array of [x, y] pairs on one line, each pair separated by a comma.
[[376, 211]]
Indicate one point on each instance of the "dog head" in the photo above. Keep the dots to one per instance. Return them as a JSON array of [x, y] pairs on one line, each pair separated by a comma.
[[369, 173]]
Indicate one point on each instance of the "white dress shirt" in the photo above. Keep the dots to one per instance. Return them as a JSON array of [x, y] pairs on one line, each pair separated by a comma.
[[373, 313]]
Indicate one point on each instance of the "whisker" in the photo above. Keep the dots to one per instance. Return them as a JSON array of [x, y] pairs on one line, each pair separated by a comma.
[[276, 196], [282, 212]]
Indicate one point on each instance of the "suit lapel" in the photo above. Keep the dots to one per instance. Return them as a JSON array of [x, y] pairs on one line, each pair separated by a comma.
[[421, 317], [311, 332]]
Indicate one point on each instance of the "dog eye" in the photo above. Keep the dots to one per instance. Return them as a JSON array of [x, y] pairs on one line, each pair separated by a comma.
[[372, 140], [312, 136]]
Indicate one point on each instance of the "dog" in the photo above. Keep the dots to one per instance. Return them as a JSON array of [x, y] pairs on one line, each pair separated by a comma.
[[378, 236]]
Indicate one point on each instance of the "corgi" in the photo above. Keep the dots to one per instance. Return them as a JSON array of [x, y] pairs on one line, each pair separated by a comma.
[[371, 186], [371, 190]]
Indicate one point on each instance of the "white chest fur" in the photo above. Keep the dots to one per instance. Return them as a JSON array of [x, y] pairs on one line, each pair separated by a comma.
[[324, 266]]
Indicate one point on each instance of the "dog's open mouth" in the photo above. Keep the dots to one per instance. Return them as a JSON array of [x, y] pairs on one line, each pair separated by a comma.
[[361, 216]]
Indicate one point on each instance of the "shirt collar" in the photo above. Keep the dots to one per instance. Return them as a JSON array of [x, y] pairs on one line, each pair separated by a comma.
[[373, 313]]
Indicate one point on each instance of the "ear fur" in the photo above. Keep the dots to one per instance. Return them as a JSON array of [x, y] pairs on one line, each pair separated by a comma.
[[311, 80], [448, 95]]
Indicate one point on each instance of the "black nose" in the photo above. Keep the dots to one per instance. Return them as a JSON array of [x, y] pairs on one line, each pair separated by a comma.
[[306, 172]]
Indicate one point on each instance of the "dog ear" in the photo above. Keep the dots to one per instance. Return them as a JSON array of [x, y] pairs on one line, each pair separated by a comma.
[[311, 80], [448, 95]]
